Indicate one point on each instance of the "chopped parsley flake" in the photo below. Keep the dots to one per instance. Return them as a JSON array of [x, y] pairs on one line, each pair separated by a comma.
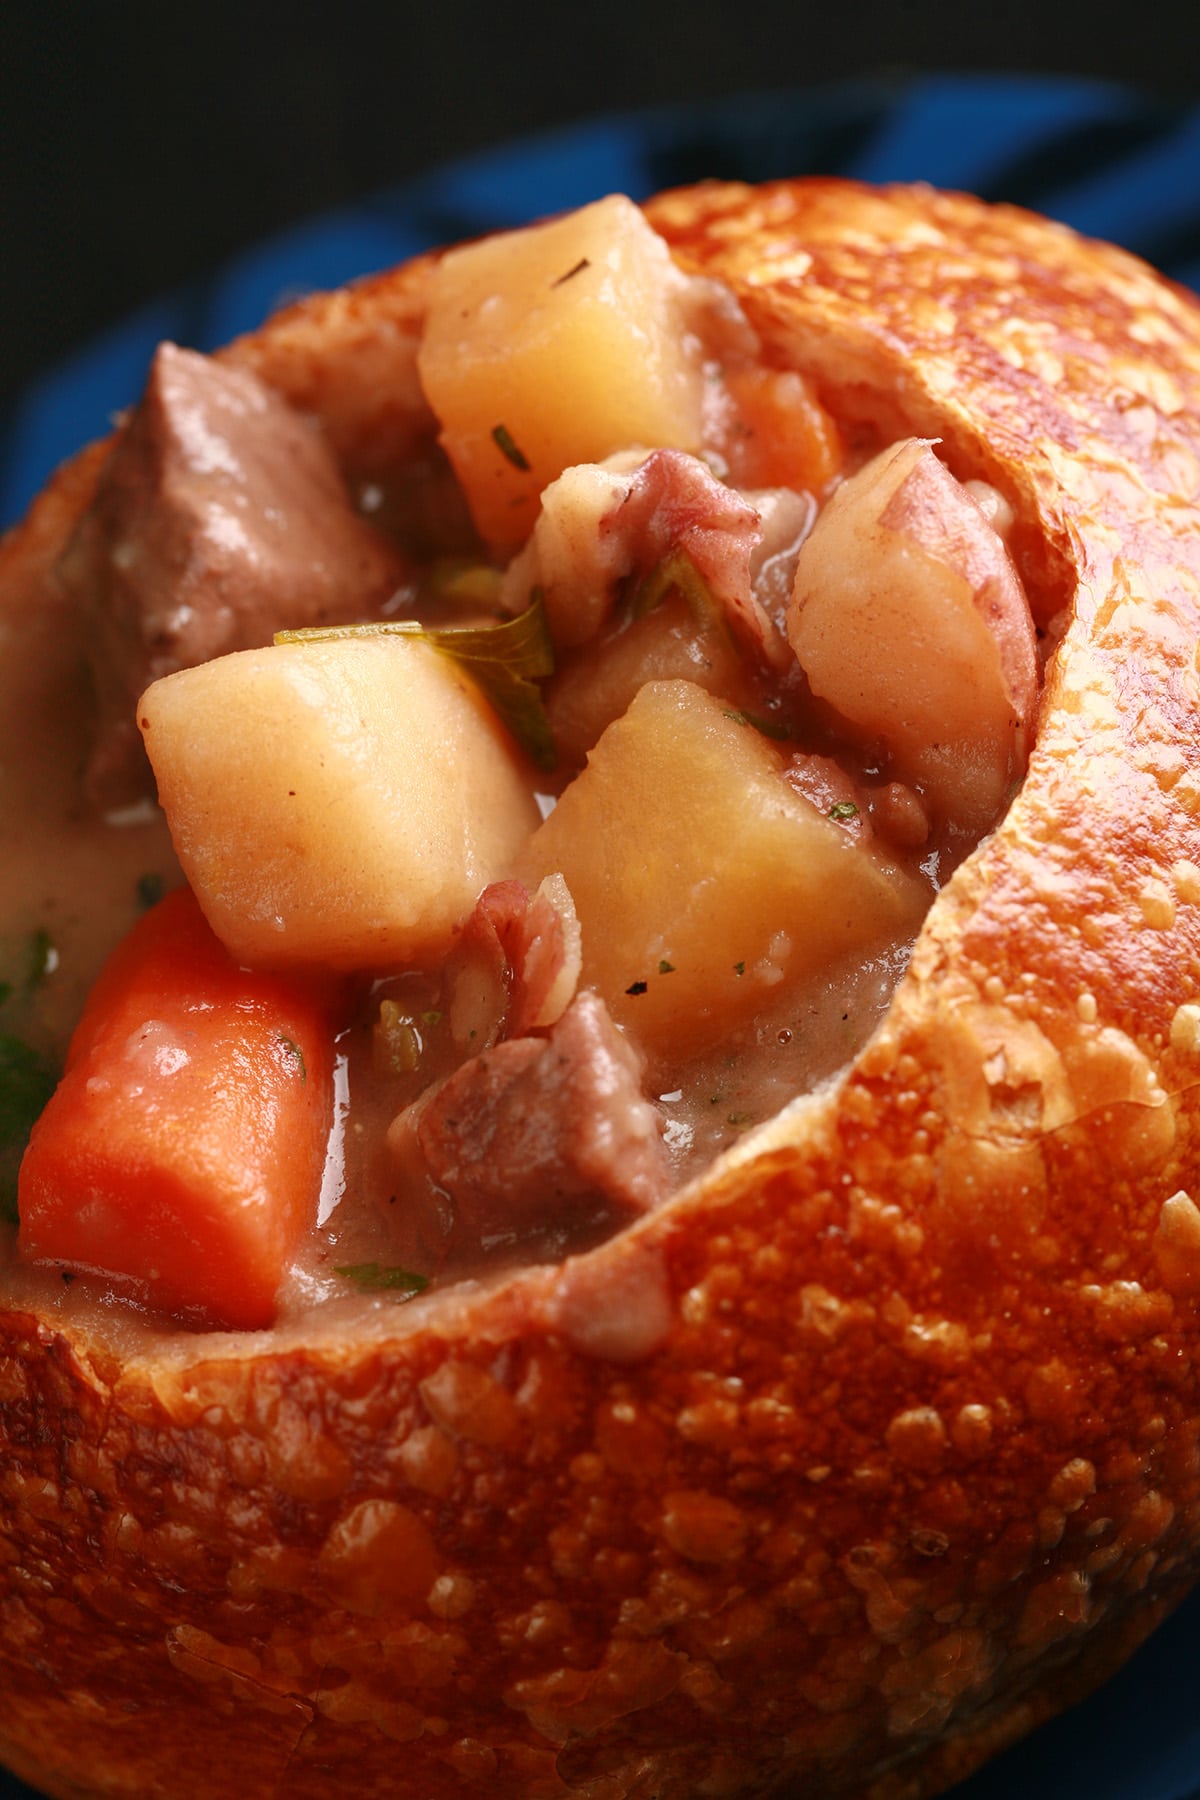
[[382, 1276], [677, 570], [503, 440], [842, 809], [636, 987], [585, 262], [739, 968], [768, 728], [665, 967], [296, 1053]]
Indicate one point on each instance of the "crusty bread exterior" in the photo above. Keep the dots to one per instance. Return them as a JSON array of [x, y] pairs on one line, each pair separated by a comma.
[[859, 1457]]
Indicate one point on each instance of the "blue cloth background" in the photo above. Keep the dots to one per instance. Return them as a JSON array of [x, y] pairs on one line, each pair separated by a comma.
[[1112, 163]]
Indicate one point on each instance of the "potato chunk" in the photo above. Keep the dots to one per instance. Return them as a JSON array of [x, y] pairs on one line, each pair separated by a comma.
[[338, 803], [909, 618], [702, 879], [553, 346]]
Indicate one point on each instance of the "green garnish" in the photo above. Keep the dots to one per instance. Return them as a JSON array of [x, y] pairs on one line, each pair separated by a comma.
[[766, 727], [637, 987], [739, 968], [576, 269], [382, 1276], [503, 440], [297, 1055], [665, 967], [505, 661], [842, 809], [26, 1083], [677, 570]]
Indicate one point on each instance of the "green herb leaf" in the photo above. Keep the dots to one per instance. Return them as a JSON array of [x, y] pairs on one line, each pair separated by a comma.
[[503, 439], [576, 269], [381, 1276], [739, 968], [842, 809], [297, 1055], [26, 1083], [505, 661], [637, 987], [677, 570], [665, 967], [768, 728]]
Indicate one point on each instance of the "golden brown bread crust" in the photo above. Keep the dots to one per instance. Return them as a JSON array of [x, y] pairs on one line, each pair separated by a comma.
[[895, 1417]]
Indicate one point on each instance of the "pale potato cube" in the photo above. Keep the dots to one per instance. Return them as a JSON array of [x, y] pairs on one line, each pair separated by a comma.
[[552, 346], [339, 803], [702, 879]]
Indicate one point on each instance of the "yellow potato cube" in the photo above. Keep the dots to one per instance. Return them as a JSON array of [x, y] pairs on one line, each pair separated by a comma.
[[702, 879], [552, 346], [339, 803]]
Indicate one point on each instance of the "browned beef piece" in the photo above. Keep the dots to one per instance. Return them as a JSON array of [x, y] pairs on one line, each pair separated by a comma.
[[540, 1137], [219, 519]]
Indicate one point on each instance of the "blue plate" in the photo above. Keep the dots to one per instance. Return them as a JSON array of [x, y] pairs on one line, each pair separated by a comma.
[[1112, 163]]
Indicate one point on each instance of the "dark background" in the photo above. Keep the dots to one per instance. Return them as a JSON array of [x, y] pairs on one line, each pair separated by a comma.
[[143, 142]]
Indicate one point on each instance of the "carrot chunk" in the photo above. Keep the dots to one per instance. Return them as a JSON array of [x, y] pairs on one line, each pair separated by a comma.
[[779, 433], [181, 1154]]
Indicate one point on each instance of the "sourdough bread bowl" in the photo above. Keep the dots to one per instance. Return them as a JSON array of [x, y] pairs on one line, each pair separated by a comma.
[[873, 1445]]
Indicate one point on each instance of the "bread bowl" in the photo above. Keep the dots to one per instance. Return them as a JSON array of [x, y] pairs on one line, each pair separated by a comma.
[[856, 1457]]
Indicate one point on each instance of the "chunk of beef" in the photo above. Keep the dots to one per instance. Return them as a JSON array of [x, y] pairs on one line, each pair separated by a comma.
[[219, 519], [539, 1138]]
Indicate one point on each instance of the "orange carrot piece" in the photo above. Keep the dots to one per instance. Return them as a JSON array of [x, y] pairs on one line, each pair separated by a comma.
[[780, 435], [181, 1154]]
